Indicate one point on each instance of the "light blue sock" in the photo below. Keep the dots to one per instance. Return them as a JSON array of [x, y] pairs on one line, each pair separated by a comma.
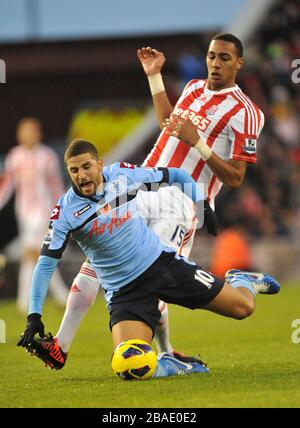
[[242, 282]]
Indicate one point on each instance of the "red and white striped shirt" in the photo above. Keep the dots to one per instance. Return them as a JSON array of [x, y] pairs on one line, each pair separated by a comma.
[[227, 120], [35, 175]]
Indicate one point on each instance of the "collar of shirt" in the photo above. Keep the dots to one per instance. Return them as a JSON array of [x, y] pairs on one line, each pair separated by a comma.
[[222, 91]]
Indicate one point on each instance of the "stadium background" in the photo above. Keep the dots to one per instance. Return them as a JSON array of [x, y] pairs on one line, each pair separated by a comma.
[[73, 64]]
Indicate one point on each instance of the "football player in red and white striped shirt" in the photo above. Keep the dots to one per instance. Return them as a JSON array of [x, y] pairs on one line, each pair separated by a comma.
[[213, 129], [211, 133], [219, 123], [32, 170]]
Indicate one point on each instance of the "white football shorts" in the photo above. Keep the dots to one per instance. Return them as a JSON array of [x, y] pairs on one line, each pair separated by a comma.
[[171, 215]]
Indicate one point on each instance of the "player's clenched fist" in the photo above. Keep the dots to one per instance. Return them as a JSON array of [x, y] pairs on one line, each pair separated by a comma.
[[151, 59], [182, 128]]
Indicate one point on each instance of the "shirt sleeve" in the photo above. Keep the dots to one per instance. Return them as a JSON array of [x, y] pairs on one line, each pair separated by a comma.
[[244, 130], [144, 175], [150, 179], [58, 234], [186, 183], [40, 282]]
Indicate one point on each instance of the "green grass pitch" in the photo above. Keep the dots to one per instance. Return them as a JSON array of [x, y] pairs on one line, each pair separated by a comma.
[[254, 362]]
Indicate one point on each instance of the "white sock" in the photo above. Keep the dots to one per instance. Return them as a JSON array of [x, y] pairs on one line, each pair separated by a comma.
[[25, 276], [162, 331], [58, 288], [81, 298]]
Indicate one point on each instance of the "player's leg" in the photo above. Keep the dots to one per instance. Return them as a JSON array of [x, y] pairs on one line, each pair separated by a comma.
[[162, 333], [237, 298], [176, 228], [237, 303], [81, 298], [134, 315], [131, 329], [193, 287], [167, 364]]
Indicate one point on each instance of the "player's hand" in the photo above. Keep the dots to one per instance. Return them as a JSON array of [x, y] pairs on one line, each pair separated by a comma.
[[183, 129], [34, 325], [151, 59], [210, 219]]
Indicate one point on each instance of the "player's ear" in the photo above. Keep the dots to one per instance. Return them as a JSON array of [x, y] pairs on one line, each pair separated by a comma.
[[100, 164], [240, 63]]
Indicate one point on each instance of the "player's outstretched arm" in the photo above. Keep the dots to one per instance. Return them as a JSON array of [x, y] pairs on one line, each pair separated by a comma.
[[40, 282], [152, 62]]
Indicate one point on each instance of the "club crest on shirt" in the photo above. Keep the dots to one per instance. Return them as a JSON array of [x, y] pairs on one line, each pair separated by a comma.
[[117, 187], [210, 111], [249, 145], [105, 209]]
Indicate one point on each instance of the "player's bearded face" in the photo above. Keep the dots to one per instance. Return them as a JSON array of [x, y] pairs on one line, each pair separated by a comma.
[[85, 172], [223, 63]]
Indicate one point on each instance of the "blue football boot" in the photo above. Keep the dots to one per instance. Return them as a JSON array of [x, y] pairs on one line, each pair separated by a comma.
[[261, 282], [168, 365]]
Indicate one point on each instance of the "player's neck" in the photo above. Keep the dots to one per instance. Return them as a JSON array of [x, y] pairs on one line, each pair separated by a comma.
[[217, 88]]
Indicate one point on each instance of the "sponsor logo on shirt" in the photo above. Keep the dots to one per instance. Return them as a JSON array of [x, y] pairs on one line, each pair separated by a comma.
[[250, 145], [82, 210], [55, 213], [201, 122], [115, 222]]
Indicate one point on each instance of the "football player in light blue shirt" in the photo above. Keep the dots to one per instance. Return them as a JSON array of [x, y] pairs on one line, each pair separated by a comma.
[[135, 268]]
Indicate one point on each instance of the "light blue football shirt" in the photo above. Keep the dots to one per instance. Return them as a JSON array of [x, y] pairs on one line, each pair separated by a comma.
[[107, 227]]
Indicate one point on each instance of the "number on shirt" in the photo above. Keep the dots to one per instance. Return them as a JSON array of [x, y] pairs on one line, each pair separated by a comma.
[[178, 235]]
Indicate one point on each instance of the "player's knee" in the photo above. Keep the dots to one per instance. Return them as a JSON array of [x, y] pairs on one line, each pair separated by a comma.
[[243, 310], [81, 298]]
